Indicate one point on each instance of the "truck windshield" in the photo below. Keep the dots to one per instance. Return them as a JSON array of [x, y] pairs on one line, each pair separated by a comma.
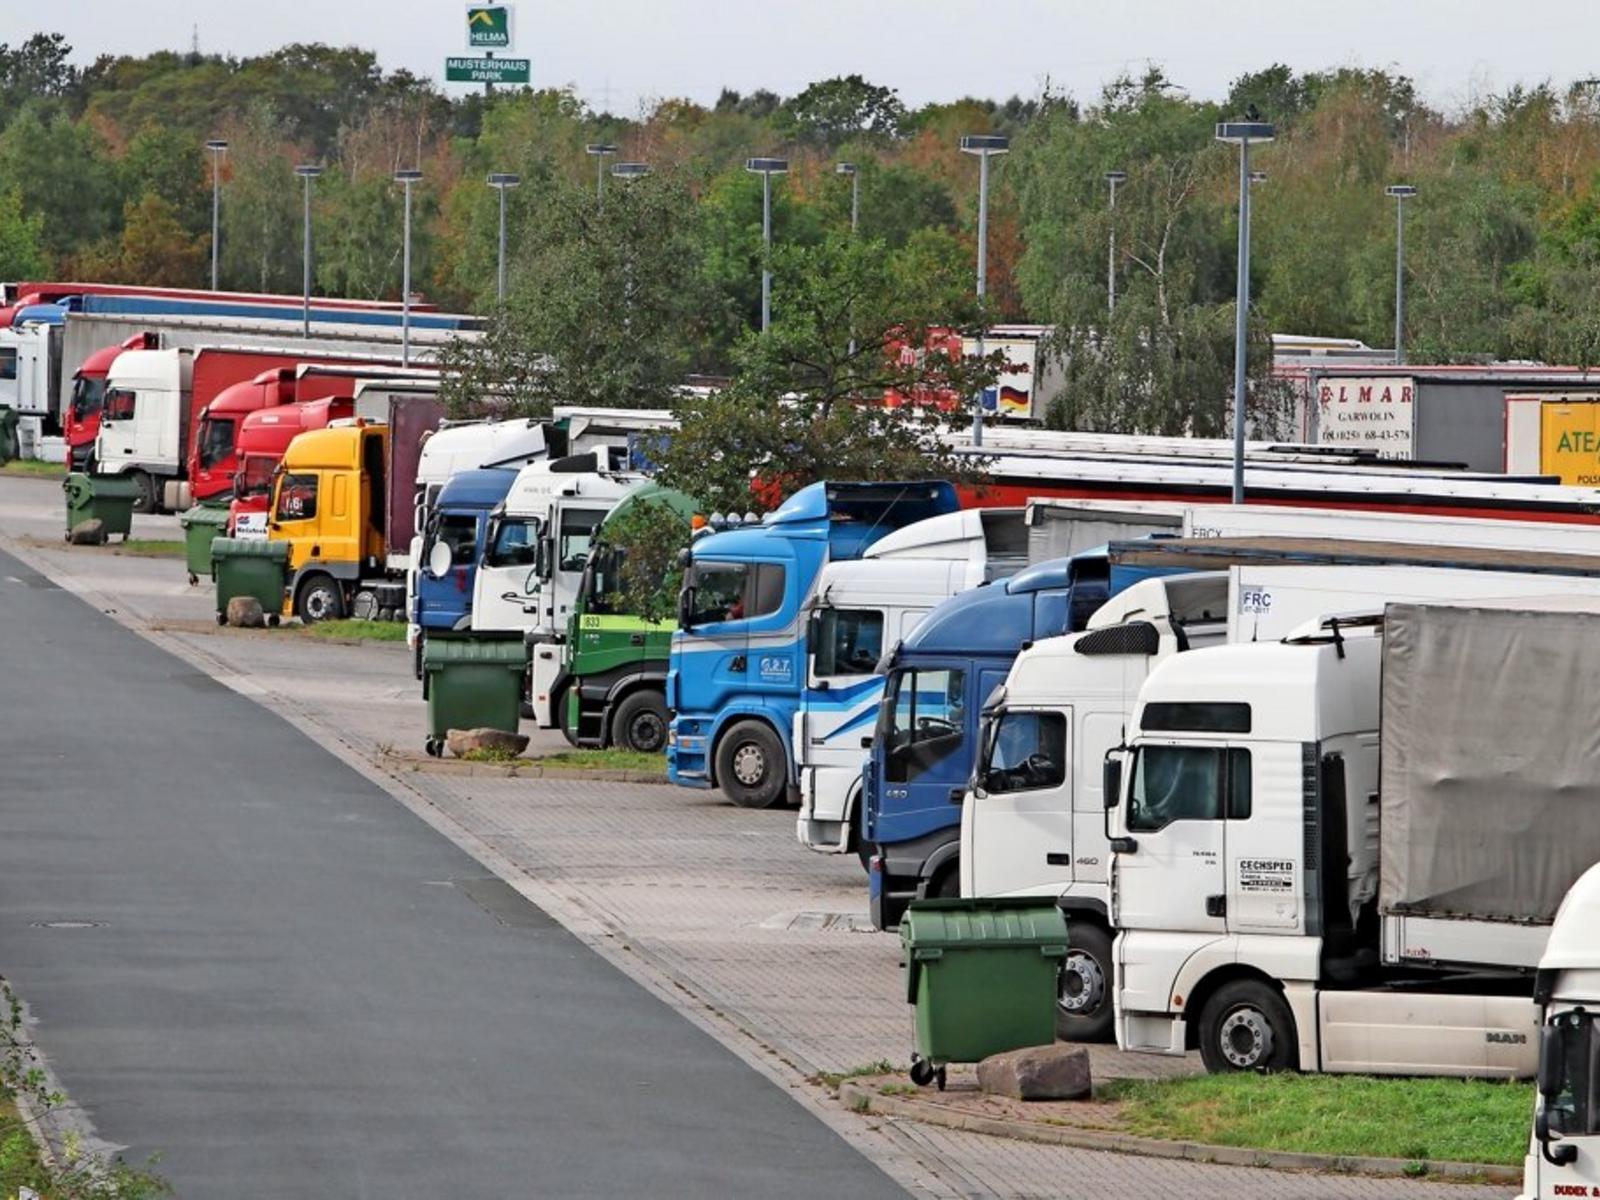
[[255, 475], [925, 720], [1026, 751], [88, 395], [849, 641], [215, 440], [297, 498], [577, 532], [1574, 1110], [516, 543], [459, 531]]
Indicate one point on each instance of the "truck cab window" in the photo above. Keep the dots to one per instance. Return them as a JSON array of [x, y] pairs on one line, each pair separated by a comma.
[[215, 440], [459, 531], [255, 475], [577, 534], [767, 593], [119, 404], [1575, 1111], [8, 362], [925, 721], [719, 591], [849, 642], [88, 395], [297, 498], [515, 543], [1187, 783], [1027, 752]]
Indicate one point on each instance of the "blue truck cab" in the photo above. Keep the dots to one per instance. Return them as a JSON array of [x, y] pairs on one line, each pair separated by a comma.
[[926, 737], [738, 662], [460, 519]]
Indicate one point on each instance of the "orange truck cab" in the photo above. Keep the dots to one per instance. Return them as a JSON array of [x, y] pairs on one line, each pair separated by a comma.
[[328, 504]]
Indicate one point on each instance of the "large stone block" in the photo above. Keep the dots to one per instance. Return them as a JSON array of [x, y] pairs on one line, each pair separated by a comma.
[[88, 533], [464, 741], [244, 612], [1059, 1072]]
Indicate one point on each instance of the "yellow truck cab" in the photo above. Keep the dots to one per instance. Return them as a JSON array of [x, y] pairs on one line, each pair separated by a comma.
[[328, 505]]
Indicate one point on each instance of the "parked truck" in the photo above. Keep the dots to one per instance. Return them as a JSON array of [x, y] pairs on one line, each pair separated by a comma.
[[1288, 897], [537, 546], [616, 659], [263, 437], [739, 655]]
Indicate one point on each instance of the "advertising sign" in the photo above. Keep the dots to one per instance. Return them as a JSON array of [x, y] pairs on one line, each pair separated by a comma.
[[488, 27], [1367, 413], [1012, 393], [1569, 441], [488, 70]]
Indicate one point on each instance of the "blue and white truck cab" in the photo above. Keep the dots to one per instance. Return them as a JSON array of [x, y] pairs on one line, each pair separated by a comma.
[[739, 657], [459, 519]]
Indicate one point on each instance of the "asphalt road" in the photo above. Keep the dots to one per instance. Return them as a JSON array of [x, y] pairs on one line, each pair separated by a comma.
[[287, 985]]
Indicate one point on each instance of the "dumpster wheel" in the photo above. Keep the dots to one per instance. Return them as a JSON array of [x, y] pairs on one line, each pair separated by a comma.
[[435, 747], [924, 1072]]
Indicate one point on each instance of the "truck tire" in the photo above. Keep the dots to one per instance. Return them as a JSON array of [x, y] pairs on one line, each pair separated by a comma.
[[145, 488], [752, 769], [641, 721], [1083, 999], [320, 598], [1247, 1026]]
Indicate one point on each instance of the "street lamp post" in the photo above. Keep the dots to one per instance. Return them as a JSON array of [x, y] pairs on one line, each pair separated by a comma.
[[406, 178], [1113, 179], [766, 168], [218, 147], [985, 146], [601, 151], [307, 172], [1401, 193], [502, 183], [1242, 133], [849, 169]]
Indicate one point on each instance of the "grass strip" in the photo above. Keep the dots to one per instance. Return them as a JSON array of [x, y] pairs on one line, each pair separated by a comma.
[[359, 630], [149, 548], [34, 468], [1421, 1120], [604, 760]]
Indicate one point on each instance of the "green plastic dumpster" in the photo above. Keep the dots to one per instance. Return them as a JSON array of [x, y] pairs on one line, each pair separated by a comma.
[[982, 974], [472, 683], [8, 433], [201, 525], [108, 499], [246, 567]]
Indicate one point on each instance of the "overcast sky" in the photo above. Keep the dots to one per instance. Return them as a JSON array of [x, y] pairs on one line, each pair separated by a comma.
[[621, 53]]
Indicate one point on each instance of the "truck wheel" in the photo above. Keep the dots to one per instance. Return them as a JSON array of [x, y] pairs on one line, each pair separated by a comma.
[[751, 765], [144, 491], [641, 723], [319, 599], [1083, 996], [1247, 1026]]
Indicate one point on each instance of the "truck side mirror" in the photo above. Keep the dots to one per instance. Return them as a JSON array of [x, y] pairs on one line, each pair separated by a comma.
[[1550, 1061], [1111, 781], [1551, 1056], [440, 560], [686, 607], [543, 555]]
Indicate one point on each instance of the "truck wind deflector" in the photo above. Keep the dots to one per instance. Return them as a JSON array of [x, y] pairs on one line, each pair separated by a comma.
[[1135, 637]]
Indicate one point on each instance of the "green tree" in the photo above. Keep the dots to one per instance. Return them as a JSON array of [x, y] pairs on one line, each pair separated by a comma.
[[604, 310], [61, 171], [154, 249], [261, 212], [22, 253], [834, 110]]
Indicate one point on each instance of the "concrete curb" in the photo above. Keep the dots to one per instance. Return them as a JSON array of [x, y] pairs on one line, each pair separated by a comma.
[[861, 1099], [527, 768]]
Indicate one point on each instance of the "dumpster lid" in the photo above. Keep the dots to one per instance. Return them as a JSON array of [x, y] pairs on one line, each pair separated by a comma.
[[225, 547], [204, 514], [509, 652], [947, 924]]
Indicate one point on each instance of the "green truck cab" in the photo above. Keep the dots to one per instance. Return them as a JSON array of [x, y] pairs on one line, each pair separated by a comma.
[[616, 659]]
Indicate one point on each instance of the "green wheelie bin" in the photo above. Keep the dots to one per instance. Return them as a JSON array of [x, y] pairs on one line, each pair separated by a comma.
[[202, 524], [982, 974], [472, 683], [108, 499], [248, 567]]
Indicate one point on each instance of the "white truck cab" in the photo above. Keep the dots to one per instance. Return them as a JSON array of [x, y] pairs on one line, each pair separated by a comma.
[[146, 407], [538, 543]]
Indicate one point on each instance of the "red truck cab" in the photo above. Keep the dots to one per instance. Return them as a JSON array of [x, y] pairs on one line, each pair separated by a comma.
[[263, 437]]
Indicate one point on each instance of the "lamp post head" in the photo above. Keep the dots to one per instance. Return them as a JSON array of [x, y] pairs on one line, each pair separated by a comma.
[[1246, 131], [408, 175], [766, 166], [308, 170], [844, 168], [1258, 176], [630, 170], [1116, 177], [984, 143], [1400, 191], [216, 144], [600, 148], [500, 179]]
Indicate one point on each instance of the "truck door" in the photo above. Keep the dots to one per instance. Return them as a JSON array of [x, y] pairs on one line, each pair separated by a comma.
[[507, 574], [575, 526], [1022, 806], [1264, 847], [1173, 874], [932, 740], [840, 703]]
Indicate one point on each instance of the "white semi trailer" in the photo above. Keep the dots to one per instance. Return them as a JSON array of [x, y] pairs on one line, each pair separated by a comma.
[[1343, 852]]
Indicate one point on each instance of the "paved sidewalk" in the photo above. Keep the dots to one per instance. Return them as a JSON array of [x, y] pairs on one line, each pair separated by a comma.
[[761, 942]]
